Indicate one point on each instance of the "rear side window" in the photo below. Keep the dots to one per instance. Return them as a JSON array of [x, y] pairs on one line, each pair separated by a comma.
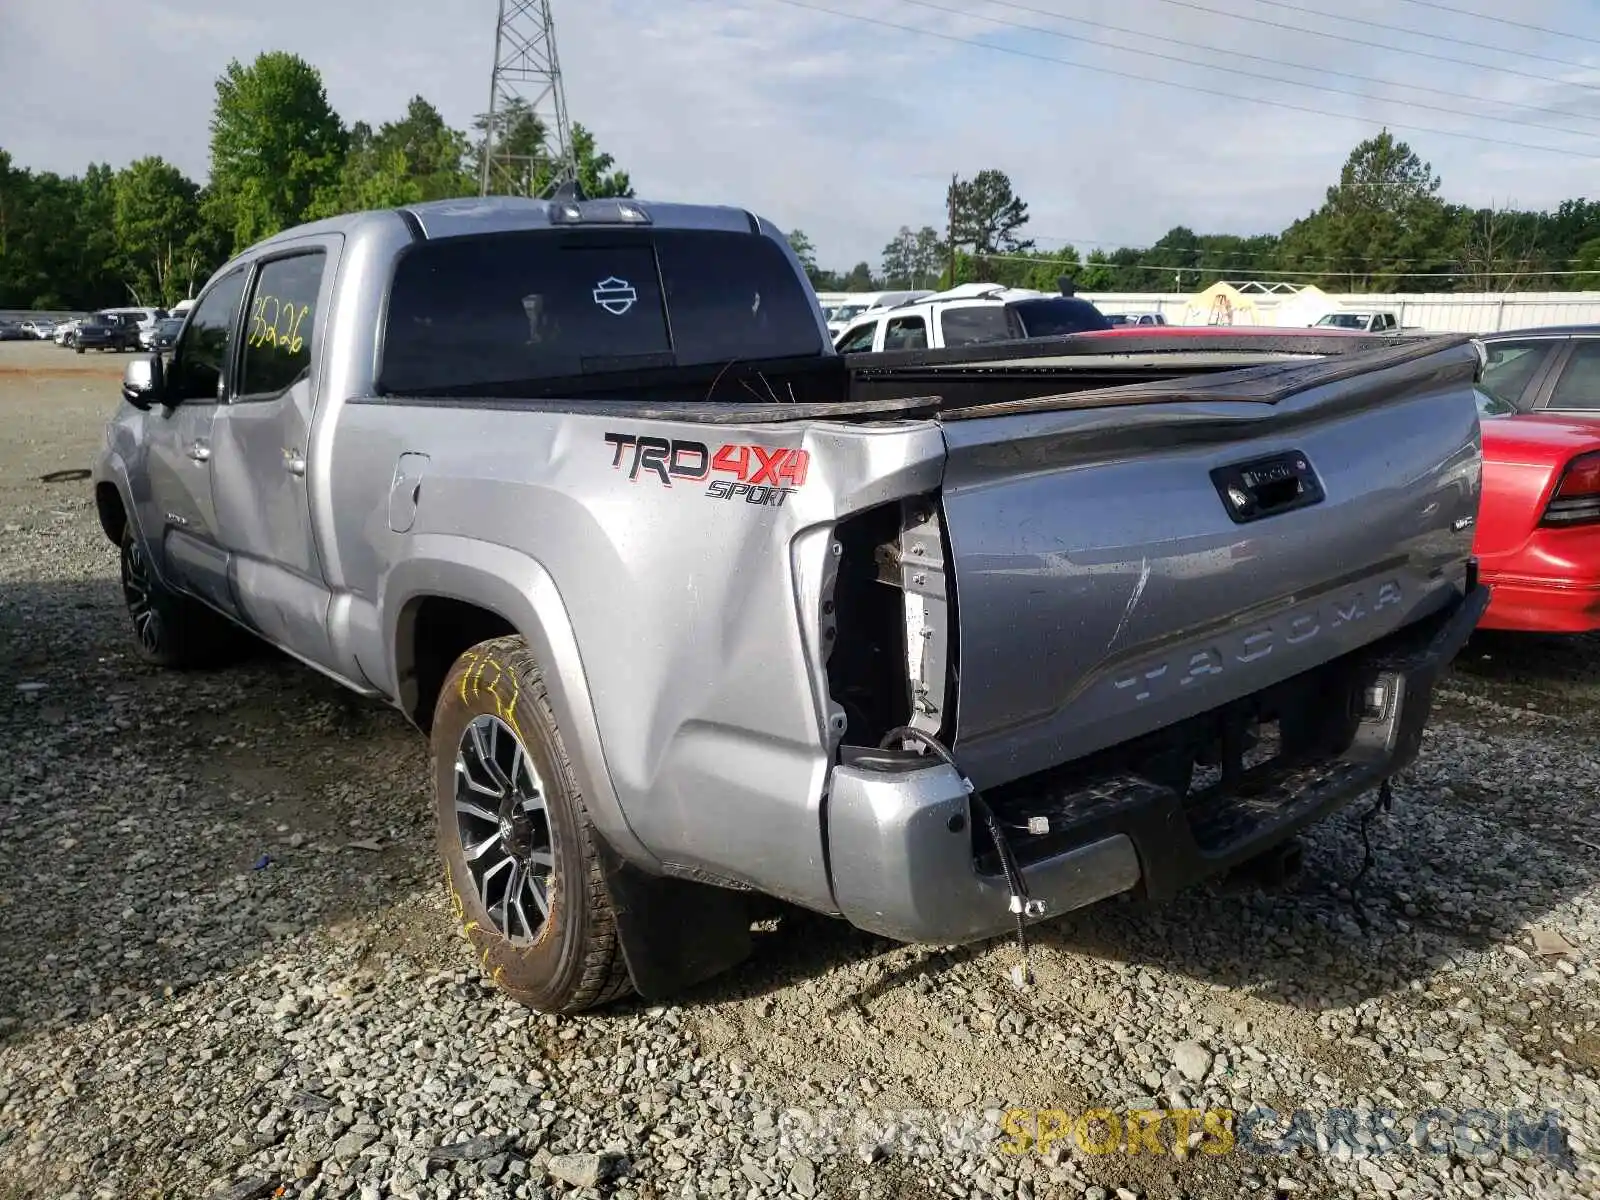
[[1579, 385], [979, 323], [1058, 317], [906, 333], [520, 308], [1512, 366]]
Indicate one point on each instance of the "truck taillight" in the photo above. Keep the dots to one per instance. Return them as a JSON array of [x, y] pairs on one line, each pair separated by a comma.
[[1577, 498]]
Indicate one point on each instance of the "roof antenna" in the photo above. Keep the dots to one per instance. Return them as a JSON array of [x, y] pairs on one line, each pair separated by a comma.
[[1067, 286], [569, 192]]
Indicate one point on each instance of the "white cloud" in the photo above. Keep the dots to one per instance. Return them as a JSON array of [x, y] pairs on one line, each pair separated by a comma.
[[848, 129]]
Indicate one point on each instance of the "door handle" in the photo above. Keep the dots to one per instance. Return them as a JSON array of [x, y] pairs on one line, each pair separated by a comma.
[[294, 462], [200, 452]]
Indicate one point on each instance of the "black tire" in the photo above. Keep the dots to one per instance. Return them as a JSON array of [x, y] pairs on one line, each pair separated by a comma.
[[77, 347], [171, 630], [572, 959]]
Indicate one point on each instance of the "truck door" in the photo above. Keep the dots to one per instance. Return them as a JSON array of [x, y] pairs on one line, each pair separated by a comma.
[[177, 515], [259, 453]]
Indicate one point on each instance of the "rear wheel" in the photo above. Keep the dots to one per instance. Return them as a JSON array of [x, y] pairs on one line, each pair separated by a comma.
[[169, 629], [525, 881]]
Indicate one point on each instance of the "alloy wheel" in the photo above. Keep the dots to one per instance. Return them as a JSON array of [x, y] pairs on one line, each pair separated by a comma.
[[504, 827], [136, 592]]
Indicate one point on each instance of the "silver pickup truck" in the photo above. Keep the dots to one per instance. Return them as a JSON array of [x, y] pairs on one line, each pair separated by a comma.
[[697, 612]]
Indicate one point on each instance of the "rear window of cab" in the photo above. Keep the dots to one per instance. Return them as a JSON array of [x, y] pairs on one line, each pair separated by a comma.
[[492, 311]]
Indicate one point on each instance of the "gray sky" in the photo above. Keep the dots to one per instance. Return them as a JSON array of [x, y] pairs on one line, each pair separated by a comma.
[[848, 129]]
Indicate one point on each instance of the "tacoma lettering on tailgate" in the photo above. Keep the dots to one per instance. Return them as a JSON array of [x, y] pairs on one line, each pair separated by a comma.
[[1191, 665]]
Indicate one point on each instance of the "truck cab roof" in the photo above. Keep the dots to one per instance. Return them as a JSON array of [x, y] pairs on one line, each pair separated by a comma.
[[505, 293], [468, 216]]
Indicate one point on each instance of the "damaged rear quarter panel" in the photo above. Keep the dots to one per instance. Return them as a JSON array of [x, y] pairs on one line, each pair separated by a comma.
[[687, 598]]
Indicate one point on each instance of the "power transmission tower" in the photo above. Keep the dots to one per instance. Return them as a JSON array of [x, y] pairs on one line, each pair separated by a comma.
[[527, 76]]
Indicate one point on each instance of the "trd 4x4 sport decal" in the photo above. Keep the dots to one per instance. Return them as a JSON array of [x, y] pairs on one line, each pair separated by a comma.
[[758, 475]]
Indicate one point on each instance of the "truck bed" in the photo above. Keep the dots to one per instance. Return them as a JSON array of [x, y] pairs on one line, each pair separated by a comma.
[[971, 381]]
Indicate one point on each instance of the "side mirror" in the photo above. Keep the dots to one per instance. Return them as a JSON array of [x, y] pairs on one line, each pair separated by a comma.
[[143, 382]]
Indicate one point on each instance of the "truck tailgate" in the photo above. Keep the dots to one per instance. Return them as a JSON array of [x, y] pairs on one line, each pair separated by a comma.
[[1129, 559]]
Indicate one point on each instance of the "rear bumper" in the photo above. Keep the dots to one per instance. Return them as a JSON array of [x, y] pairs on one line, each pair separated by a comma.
[[900, 830], [1543, 606], [1550, 584]]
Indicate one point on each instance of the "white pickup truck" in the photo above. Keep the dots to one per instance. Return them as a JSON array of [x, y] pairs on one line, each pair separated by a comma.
[[1366, 322]]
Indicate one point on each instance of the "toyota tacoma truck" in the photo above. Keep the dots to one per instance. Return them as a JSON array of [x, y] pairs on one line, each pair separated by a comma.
[[698, 613]]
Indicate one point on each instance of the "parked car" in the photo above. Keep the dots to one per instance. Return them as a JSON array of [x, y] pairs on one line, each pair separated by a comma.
[[106, 331], [842, 310], [969, 315], [143, 316], [161, 335], [583, 490], [41, 329], [1539, 525], [13, 331], [64, 332]]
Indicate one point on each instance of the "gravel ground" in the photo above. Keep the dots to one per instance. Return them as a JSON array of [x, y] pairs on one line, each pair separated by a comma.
[[226, 965]]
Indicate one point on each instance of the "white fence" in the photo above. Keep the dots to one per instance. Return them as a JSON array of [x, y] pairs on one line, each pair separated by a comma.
[[1437, 312], [19, 315]]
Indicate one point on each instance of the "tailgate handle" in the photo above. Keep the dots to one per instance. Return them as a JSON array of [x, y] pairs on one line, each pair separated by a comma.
[[1265, 487]]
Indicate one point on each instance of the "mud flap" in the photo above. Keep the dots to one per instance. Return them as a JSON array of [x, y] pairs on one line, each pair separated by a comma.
[[674, 932]]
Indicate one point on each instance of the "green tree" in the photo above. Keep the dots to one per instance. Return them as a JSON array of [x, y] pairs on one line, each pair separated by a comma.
[[524, 159], [39, 264], [436, 155], [1229, 256], [1498, 249], [913, 260], [369, 179], [95, 241], [1176, 256], [1043, 274], [275, 144], [596, 169], [1097, 274], [156, 223], [1131, 274], [985, 215], [416, 158], [16, 203], [13, 198], [518, 148], [800, 243], [1383, 217], [1564, 234], [859, 279]]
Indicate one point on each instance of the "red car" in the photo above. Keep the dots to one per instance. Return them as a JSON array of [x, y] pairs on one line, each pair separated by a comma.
[[1538, 540], [1538, 536]]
